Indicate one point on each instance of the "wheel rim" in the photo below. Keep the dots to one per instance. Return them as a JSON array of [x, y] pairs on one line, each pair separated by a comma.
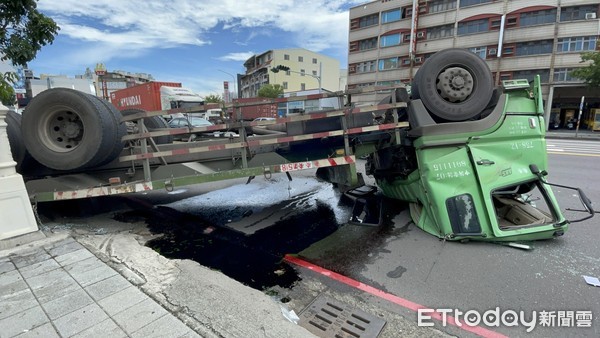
[[455, 84], [62, 130]]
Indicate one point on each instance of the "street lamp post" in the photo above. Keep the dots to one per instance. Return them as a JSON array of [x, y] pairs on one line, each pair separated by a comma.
[[234, 81]]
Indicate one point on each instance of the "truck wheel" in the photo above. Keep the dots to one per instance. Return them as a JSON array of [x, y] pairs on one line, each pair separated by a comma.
[[19, 153], [64, 129], [151, 123], [121, 131], [454, 85]]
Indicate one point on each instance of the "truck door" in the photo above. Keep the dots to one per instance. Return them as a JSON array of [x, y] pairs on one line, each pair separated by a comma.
[[513, 196]]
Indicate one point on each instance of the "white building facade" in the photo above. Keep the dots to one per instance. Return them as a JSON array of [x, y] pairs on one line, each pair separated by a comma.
[[390, 39], [307, 70]]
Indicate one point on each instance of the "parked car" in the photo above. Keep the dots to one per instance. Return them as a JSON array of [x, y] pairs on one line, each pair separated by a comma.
[[186, 122], [264, 119], [189, 122]]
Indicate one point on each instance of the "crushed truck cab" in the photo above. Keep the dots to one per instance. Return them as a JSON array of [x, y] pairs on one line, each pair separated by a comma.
[[481, 178]]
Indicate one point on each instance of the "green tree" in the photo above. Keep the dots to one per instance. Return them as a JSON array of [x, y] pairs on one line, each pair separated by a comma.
[[591, 73], [23, 32], [270, 90], [213, 98]]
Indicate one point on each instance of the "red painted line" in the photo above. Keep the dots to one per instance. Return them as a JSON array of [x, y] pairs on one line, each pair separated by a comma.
[[478, 330], [216, 147], [321, 134], [181, 151], [332, 162]]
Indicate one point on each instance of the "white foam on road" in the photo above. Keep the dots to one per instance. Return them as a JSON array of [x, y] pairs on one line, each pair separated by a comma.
[[262, 193]]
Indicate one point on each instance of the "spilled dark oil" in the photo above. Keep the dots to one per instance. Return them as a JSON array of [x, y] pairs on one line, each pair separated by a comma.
[[255, 260]]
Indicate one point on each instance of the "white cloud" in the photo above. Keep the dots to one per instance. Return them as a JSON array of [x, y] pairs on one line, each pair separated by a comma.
[[113, 30], [147, 24], [242, 56]]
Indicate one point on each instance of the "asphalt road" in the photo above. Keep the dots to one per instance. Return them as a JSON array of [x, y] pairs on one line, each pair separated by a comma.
[[407, 262]]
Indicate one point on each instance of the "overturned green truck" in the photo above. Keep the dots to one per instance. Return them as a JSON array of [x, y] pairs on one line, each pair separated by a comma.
[[473, 162]]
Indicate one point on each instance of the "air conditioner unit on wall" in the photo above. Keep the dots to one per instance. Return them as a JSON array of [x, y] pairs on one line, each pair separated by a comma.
[[492, 51], [589, 16], [420, 34]]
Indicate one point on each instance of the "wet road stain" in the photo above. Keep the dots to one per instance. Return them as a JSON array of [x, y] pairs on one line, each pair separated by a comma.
[[397, 272], [255, 260]]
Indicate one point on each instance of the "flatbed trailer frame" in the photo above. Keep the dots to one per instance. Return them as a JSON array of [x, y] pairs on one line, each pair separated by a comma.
[[144, 165]]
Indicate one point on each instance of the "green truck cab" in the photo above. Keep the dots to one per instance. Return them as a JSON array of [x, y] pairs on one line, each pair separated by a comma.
[[476, 172]]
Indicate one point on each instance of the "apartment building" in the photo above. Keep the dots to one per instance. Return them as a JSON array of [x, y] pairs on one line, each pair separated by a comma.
[[390, 39], [107, 82], [307, 70]]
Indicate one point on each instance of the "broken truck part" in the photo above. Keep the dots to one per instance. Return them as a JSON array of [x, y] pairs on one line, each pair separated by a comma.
[[470, 159]]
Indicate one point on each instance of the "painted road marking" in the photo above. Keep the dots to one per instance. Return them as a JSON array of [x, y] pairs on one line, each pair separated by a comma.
[[405, 303], [560, 152]]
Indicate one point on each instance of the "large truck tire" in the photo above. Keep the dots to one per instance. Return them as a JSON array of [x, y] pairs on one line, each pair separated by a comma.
[[151, 123], [67, 130], [454, 85], [120, 132], [21, 156]]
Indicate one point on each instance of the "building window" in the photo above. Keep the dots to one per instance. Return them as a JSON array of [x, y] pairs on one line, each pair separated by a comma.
[[365, 67], [441, 5], [479, 51], [576, 44], [530, 74], [368, 20], [466, 3], [302, 71], [389, 83], [285, 85], [314, 72], [390, 40], [366, 84], [287, 72], [509, 50], [391, 16], [286, 56], [534, 47], [474, 26], [367, 44], [564, 75], [303, 86], [300, 59], [538, 17], [439, 32], [314, 61], [505, 76], [576, 12], [391, 63]]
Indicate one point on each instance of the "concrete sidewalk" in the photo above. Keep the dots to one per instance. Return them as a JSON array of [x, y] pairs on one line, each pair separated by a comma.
[[61, 289], [583, 134]]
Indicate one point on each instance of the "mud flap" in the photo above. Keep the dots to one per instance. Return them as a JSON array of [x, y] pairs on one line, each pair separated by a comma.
[[367, 206]]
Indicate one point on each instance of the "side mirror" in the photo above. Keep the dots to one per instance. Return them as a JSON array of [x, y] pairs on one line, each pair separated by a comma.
[[587, 203]]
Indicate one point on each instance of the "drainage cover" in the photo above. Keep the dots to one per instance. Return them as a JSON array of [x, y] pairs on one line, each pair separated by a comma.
[[326, 318]]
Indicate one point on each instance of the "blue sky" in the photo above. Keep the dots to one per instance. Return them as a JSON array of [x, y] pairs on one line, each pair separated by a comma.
[[187, 41]]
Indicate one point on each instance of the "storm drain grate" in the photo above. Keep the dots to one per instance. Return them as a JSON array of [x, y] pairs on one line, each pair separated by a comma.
[[326, 318]]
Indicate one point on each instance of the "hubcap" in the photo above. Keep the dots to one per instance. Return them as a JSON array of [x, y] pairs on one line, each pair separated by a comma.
[[64, 130], [455, 84]]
